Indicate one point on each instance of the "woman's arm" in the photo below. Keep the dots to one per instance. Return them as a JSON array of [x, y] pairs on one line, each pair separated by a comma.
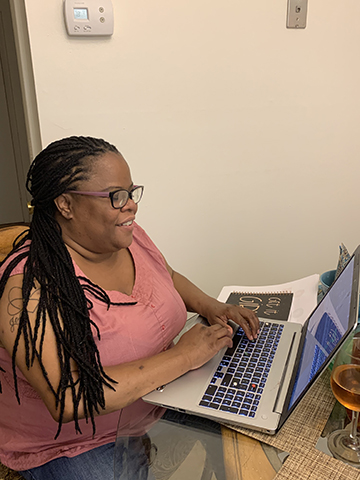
[[214, 311], [135, 379]]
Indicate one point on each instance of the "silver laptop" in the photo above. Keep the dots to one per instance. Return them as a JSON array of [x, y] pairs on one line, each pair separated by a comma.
[[257, 384]]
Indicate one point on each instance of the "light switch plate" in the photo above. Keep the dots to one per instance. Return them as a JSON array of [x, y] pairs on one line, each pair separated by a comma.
[[296, 13]]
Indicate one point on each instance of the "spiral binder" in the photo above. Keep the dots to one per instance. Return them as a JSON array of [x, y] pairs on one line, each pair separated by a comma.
[[271, 305]]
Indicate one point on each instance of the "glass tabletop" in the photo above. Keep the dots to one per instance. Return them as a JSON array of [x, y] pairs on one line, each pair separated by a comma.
[[180, 446]]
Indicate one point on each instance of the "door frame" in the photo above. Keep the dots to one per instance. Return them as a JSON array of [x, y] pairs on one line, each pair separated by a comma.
[[15, 57]]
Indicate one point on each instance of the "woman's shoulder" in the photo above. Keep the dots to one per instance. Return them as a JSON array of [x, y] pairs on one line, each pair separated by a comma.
[[19, 267]]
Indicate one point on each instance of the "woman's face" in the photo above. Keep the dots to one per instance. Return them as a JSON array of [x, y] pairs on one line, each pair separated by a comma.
[[94, 224]]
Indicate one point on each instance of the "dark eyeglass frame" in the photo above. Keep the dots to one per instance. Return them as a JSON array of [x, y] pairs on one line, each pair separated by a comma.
[[110, 195]]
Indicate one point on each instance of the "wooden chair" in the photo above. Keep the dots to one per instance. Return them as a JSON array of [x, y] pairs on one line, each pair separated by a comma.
[[8, 474], [8, 233]]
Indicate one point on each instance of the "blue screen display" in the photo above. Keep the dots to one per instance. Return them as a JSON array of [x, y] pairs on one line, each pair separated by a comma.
[[326, 327]]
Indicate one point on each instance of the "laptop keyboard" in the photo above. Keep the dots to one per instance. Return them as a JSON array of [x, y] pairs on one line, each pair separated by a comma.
[[239, 381]]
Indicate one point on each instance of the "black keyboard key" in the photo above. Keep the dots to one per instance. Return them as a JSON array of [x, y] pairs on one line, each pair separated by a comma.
[[229, 409], [235, 383], [236, 339], [240, 395], [208, 398], [226, 380], [211, 390]]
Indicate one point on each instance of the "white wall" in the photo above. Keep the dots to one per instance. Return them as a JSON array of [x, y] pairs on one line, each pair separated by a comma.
[[245, 133]]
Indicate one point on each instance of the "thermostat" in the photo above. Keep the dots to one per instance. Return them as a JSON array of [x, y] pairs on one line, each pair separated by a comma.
[[89, 17]]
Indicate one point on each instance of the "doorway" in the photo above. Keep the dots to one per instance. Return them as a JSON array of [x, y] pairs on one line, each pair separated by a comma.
[[15, 154]]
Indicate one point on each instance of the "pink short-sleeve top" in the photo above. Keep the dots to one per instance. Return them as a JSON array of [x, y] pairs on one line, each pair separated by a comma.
[[128, 332]]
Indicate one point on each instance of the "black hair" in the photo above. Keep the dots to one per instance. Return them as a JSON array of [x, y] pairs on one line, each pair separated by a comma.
[[62, 302]]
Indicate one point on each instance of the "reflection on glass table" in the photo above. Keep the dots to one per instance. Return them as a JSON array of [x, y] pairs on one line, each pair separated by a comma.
[[186, 447]]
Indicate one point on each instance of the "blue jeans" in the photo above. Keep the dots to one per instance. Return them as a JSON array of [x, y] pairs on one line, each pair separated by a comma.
[[96, 464]]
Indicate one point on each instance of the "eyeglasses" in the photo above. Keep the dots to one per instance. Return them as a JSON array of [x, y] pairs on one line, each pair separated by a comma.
[[119, 198]]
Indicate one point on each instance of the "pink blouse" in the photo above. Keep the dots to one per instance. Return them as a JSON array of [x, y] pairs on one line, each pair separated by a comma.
[[127, 333]]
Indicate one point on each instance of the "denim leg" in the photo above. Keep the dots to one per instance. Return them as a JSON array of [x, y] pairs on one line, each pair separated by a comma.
[[97, 464]]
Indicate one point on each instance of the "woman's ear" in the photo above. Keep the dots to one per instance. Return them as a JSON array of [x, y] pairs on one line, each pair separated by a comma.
[[63, 204]]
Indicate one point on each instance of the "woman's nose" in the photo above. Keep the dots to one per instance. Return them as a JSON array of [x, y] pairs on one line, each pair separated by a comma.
[[130, 205]]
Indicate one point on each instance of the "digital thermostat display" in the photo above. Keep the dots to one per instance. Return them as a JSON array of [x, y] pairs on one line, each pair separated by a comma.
[[81, 14]]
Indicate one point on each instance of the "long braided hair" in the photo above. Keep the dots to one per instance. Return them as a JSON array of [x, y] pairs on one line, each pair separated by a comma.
[[62, 302]]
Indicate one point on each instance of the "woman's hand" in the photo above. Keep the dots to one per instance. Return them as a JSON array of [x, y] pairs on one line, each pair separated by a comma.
[[220, 313], [201, 343]]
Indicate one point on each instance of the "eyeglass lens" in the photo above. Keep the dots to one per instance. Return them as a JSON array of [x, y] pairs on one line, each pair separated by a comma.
[[121, 197]]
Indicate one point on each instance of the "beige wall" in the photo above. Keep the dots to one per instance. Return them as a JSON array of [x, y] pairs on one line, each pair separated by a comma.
[[245, 133]]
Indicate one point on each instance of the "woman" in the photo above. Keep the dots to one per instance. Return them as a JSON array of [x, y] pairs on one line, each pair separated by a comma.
[[88, 311]]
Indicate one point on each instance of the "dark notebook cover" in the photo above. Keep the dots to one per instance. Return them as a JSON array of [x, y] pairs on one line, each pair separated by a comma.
[[275, 306]]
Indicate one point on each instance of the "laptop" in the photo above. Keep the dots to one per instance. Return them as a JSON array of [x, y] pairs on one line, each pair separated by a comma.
[[257, 384]]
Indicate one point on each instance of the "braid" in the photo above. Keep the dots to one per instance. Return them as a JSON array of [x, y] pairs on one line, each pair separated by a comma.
[[62, 301]]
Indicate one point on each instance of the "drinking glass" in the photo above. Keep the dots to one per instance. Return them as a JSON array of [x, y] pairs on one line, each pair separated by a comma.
[[345, 383]]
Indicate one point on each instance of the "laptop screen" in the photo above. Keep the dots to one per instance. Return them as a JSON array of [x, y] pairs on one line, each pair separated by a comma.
[[326, 328]]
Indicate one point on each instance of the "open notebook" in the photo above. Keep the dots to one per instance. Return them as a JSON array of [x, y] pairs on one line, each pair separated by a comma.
[[258, 384]]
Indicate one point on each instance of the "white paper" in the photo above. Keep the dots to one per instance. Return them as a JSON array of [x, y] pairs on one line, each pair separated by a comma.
[[304, 299]]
